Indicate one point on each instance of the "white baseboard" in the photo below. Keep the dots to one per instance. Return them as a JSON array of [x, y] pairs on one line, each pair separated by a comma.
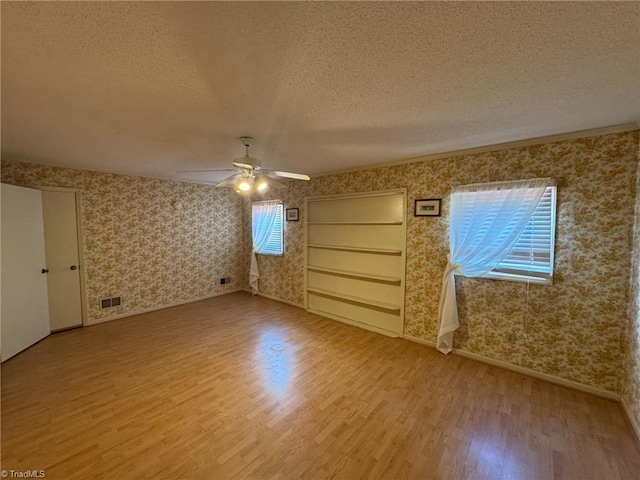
[[160, 307], [428, 343], [598, 392], [632, 420], [277, 299]]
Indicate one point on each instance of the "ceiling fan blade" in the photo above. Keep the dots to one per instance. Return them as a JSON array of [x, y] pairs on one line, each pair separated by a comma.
[[271, 181], [295, 176], [238, 164], [208, 170], [228, 181]]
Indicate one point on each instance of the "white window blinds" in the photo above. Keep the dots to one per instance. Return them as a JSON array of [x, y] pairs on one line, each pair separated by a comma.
[[531, 258]]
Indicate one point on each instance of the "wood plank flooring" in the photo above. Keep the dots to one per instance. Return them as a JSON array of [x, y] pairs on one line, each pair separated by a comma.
[[244, 387]]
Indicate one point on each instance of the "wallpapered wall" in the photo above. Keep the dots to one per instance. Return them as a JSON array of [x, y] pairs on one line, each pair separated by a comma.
[[631, 383], [137, 245], [572, 329]]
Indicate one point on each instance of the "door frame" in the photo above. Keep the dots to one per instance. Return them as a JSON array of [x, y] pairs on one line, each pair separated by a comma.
[[83, 279]]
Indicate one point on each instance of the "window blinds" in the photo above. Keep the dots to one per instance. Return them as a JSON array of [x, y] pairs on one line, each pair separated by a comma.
[[532, 255]]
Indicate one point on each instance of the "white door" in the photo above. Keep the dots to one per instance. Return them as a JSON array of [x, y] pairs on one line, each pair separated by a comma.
[[24, 311], [61, 246]]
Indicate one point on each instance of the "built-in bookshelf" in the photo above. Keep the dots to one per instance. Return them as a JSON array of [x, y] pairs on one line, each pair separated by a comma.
[[355, 259]]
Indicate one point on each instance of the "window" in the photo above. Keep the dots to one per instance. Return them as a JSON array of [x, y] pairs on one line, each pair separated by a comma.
[[531, 257], [267, 227], [502, 230]]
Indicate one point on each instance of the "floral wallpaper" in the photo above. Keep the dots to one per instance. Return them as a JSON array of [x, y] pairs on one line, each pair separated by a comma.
[[140, 246], [152, 242], [572, 329], [631, 383]]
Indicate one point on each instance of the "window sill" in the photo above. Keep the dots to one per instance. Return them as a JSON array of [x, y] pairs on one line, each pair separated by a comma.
[[515, 278], [509, 277]]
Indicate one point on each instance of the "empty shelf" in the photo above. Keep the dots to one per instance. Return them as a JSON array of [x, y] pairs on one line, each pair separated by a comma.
[[386, 251], [349, 273], [399, 222], [351, 298]]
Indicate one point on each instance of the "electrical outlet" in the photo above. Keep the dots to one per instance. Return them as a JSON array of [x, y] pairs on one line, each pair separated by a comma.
[[105, 303], [223, 280], [227, 279], [115, 301]]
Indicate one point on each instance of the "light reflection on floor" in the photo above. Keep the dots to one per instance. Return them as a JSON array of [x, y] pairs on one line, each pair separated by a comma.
[[492, 459], [276, 357]]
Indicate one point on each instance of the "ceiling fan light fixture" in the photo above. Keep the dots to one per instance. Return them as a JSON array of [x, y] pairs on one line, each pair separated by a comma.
[[243, 185], [261, 186]]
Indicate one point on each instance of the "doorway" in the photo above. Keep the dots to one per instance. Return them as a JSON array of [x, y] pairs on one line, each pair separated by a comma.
[[60, 208]]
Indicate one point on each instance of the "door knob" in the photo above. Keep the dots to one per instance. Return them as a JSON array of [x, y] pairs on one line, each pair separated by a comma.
[[45, 270], [73, 267]]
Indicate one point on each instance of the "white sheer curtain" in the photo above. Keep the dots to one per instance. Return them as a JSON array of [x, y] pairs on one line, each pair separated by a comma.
[[486, 220], [263, 218]]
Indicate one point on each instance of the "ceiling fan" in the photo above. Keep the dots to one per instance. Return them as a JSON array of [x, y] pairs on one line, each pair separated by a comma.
[[249, 174]]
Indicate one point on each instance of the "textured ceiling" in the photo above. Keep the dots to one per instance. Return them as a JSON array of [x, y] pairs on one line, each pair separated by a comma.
[[148, 88]]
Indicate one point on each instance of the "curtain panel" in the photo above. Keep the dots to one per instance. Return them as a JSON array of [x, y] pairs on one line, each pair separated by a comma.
[[486, 220]]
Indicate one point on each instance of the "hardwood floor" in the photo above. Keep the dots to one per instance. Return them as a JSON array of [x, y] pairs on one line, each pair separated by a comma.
[[244, 387]]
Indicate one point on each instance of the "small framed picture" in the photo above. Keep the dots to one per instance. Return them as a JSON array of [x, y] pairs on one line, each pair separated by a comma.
[[293, 214], [428, 207]]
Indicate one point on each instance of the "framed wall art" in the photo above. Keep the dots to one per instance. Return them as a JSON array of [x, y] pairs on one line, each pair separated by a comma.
[[427, 207], [293, 214]]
